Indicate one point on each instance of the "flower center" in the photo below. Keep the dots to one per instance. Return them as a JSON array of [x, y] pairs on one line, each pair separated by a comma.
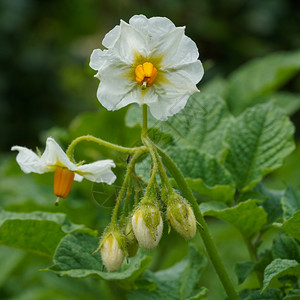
[[63, 180], [145, 74]]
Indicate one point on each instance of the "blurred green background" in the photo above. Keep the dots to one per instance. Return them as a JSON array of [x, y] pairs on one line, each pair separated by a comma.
[[45, 82]]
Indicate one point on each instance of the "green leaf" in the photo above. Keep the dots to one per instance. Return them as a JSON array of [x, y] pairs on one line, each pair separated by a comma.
[[246, 216], [290, 202], [36, 232], [260, 77], [216, 86], [205, 175], [217, 192], [289, 102], [288, 172], [178, 282], [270, 294], [198, 133], [272, 202], [292, 295], [74, 258], [279, 268], [243, 270], [265, 258], [291, 226], [9, 260], [285, 247], [201, 124], [258, 140]]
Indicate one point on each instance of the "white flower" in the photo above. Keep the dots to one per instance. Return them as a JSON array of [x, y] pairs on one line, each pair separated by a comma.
[[148, 61], [54, 159]]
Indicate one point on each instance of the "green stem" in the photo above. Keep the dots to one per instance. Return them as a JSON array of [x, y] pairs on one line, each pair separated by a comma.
[[101, 142], [152, 186], [145, 121], [136, 194], [130, 168], [126, 203], [206, 237], [155, 157], [253, 257]]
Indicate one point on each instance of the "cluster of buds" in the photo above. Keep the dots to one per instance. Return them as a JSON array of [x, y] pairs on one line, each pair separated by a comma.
[[144, 227]]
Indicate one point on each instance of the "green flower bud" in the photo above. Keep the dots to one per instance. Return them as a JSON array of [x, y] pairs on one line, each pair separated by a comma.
[[112, 246], [132, 244], [181, 216], [147, 225]]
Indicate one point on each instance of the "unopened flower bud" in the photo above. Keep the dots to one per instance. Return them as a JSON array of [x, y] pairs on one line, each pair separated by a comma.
[[147, 225], [112, 246], [181, 216], [132, 244]]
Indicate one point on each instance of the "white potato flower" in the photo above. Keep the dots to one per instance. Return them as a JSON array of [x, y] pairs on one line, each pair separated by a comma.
[[54, 159], [148, 61]]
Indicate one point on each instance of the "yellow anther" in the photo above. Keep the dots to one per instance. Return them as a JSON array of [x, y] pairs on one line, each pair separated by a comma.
[[148, 69], [145, 74]]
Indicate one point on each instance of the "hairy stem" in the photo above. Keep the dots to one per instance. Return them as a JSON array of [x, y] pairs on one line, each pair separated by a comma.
[[156, 159], [126, 202], [129, 171], [206, 237], [90, 138], [145, 121]]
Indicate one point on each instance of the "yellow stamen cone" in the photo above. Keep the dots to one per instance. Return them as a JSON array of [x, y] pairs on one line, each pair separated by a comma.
[[145, 74], [63, 180]]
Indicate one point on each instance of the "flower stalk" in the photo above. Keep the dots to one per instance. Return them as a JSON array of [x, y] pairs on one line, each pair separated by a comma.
[[90, 138], [159, 158], [124, 187], [204, 232], [145, 121]]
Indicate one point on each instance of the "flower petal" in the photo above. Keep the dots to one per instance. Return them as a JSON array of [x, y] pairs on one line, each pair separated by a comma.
[[166, 46], [186, 52], [30, 161], [160, 26], [99, 58], [130, 42], [172, 94], [78, 177], [99, 171], [166, 107], [111, 37], [116, 89], [154, 28], [54, 156], [176, 81], [194, 71], [147, 96]]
